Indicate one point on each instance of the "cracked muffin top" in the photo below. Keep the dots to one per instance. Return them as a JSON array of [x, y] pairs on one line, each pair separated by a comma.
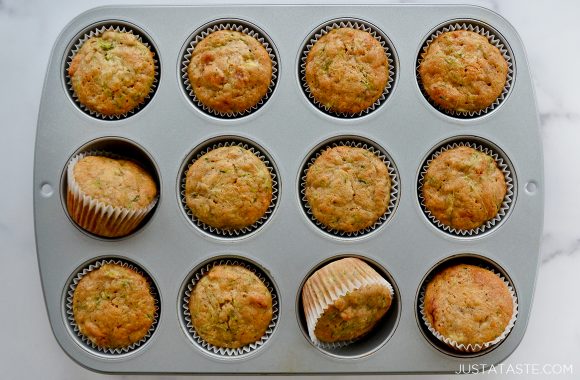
[[230, 307], [113, 73], [229, 71], [347, 70]]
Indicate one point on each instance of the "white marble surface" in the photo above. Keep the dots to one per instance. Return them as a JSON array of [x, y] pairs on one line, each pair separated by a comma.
[[551, 34]]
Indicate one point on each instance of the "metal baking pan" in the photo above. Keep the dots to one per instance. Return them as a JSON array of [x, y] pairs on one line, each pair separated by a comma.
[[288, 246]]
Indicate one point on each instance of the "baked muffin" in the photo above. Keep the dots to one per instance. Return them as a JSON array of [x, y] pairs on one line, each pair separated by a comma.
[[108, 196], [347, 70], [228, 188], [230, 307], [344, 300], [468, 305], [461, 71], [229, 71], [347, 188], [113, 306], [463, 188], [113, 73]]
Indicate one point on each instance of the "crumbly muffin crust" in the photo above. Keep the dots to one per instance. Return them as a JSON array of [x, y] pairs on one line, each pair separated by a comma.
[[463, 188], [230, 307], [113, 73], [347, 70], [461, 71], [113, 306], [347, 188], [468, 304], [228, 187], [229, 71]]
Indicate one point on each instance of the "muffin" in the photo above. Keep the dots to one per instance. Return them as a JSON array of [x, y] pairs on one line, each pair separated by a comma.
[[228, 188], [344, 300], [348, 188], [468, 305], [229, 71], [113, 306], [113, 73], [461, 71], [108, 196], [463, 188], [347, 70], [230, 307]]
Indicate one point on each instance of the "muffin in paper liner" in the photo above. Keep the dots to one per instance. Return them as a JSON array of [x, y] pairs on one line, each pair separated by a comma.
[[495, 39], [329, 283], [354, 24], [239, 232], [96, 32], [238, 26], [186, 315], [470, 348], [355, 143], [502, 164], [96, 216], [69, 314]]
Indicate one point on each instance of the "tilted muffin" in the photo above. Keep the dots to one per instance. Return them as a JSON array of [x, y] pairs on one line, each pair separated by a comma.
[[230, 307], [344, 300], [109, 196], [468, 305], [463, 188], [228, 188], [112, 73], [113, 306], [229, 71], [462, 71], [347, 70], [348, 188]]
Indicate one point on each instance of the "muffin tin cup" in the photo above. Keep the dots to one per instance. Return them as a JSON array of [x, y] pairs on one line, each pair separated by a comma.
[[238, 26], [495, 39], [96, 32], [85, 342], [258, 152], [502, 163], [354, 24], [95, 216], [354, 142], [222, 352]]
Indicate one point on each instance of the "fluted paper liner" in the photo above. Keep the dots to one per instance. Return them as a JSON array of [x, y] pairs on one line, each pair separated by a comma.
[[95, 216], [328, 284]]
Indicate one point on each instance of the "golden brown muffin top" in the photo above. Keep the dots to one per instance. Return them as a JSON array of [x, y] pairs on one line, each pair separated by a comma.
[[229, 71], [115, 182], [462, 71], [113, 73], [468, 304], [348, 189], [347, 70], [228, 187], [113, 306], [463, 188], [230, 307]]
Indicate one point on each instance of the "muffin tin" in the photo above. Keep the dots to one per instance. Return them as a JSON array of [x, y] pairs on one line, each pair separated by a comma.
[[170, 129]]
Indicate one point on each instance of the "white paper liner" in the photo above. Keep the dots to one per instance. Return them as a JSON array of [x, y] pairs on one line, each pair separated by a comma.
[[95, 216], [507, 201], [471, 348], [326, 286], [238, 232], [222, 351], [393, 196], [96, 32], [70, 314], [354, 24], [237, 26], [492, 37]]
